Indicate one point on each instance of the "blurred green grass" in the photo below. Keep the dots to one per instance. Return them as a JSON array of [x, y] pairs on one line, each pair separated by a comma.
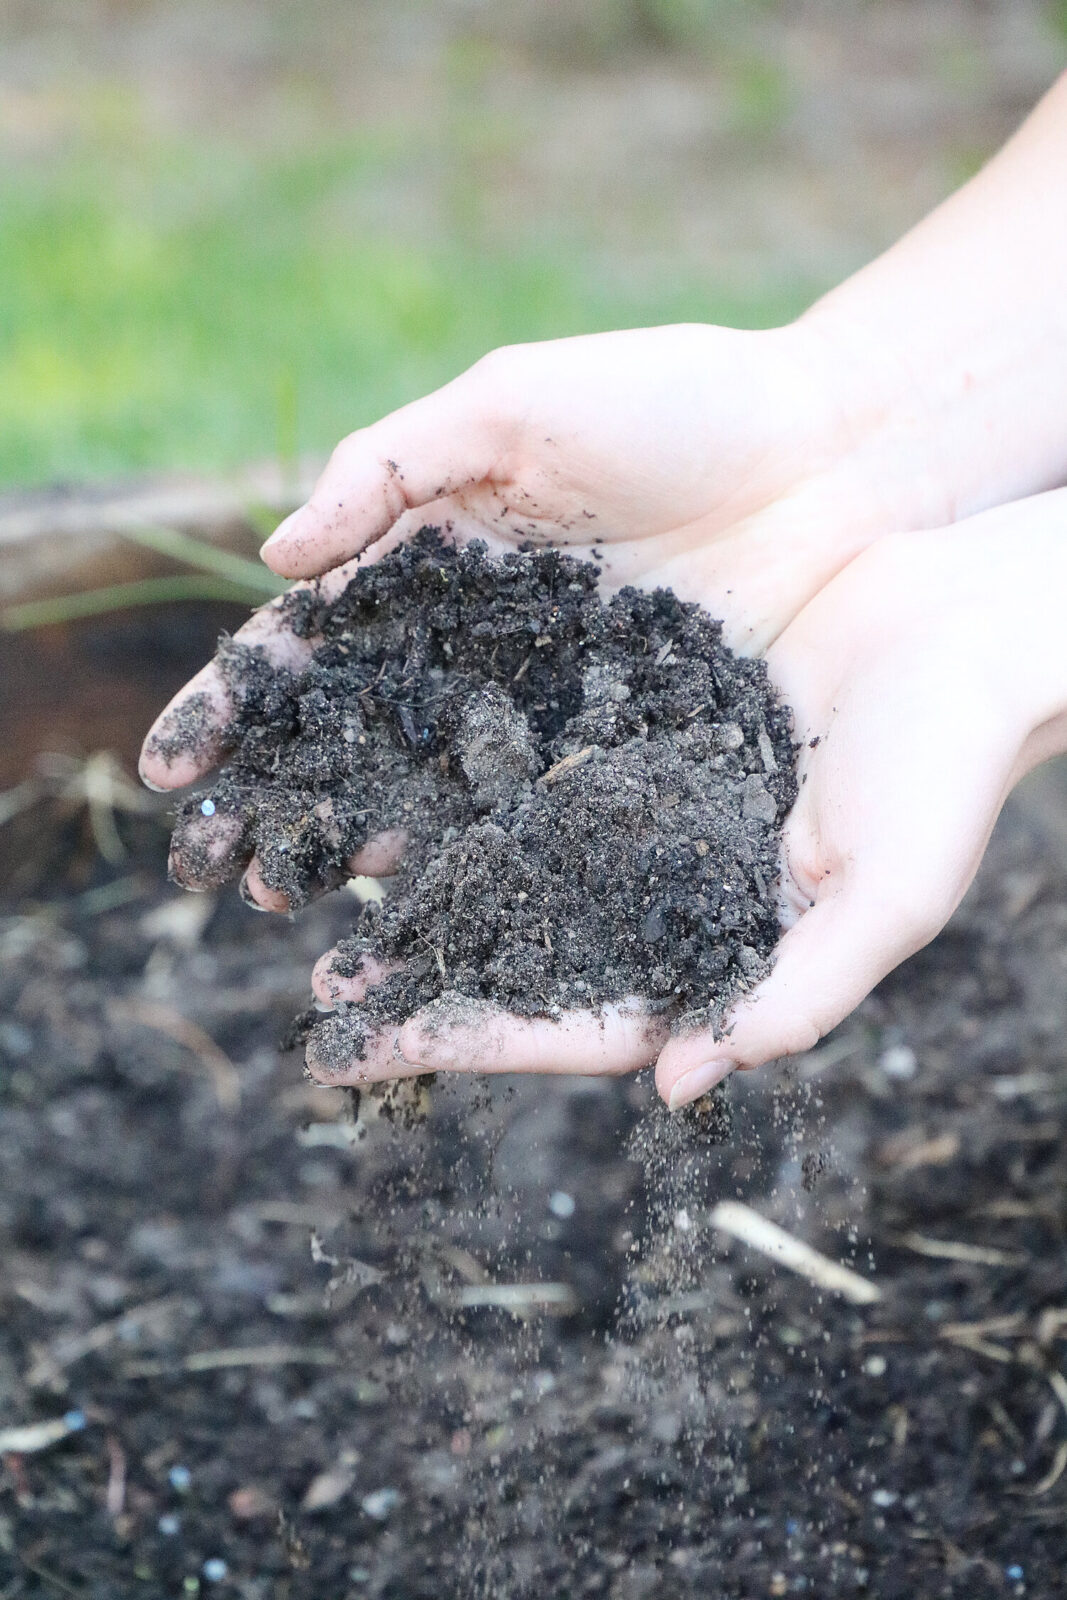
[[198, 304]]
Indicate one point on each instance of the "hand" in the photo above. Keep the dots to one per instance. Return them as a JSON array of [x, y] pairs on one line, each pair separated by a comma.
[[736, 468], [926, 679]]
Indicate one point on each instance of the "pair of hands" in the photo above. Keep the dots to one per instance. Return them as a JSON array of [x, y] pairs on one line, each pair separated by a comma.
[[766, 476]]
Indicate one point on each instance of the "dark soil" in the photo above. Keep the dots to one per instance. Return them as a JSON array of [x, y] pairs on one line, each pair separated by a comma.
[[265, 1315], [592, 789]]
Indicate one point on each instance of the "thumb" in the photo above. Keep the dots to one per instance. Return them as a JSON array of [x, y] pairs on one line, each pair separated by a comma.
[[825, 965], [416, 455]]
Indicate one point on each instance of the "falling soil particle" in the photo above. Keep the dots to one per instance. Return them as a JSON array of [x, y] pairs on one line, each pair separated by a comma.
[[592, 789]]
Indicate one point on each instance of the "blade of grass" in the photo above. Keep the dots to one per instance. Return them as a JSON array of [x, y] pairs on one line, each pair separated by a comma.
[[183, 547], [119, 596]]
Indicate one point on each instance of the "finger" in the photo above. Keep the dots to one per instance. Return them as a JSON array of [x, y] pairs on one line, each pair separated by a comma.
[[208, 851], [193, 732], [418, 455], [333, 987], [189, 736], [345, 1048], [380, 857], [825, 965], [259, 895], [468, 1036]]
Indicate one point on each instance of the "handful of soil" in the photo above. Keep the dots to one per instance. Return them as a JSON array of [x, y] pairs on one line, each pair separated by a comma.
[[592, 789]]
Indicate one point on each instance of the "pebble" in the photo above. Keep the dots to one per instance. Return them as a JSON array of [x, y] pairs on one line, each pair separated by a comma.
[[169, 1525], [379, 1504], [207, 808], [1015, 1573], [884, 1498], [179, 1478], [899, 1061], [561, 1204], [214, 1569], [875, 1366], [756, 800]]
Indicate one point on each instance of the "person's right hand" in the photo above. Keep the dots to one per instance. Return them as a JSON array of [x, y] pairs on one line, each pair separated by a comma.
[[741, 469]]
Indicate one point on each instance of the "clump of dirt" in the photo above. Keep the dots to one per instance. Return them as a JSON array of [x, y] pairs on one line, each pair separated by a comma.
[[592, 789]]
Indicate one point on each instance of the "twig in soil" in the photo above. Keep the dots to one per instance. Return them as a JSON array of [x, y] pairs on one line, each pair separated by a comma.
[[97, 782], [1051, 1325], [982, 1347], [1058, 1385], [65, 1352], [349, 1272], [1011, 1323], [1053, 1475], [518, 1297], [975, 1255], [116, 1479], [742, 1223], [37, 1436], [567, 764], [262, 1355], [214, 1060]]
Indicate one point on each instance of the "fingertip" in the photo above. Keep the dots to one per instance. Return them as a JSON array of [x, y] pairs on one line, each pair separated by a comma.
[[681, 1085], [380, 856], [343, 1049], [148, 773], [162, 774], [257, 894], [284, 552], [190, 734], [207, 852], [323, 979], [334, 988]]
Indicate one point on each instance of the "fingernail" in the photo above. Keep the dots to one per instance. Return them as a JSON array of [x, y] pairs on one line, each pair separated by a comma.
[[280, 531], [247, 896], [697, 1081], [156, 788]]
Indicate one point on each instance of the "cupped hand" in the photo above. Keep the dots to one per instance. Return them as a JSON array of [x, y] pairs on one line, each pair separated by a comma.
[[926, 679], [741, 469]]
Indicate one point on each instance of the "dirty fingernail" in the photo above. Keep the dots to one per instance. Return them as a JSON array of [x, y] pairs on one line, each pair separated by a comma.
[[156, 788], [281, 531], [248, 897], [697, 1081]]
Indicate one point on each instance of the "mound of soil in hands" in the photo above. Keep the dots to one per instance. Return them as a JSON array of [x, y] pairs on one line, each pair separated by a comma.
[[592, 790]]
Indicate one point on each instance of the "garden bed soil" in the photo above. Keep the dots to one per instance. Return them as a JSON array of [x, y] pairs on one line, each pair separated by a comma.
[[279, 1326]]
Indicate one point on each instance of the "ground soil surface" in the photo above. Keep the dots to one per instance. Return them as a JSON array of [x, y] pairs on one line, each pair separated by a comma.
[[282, 1329]]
